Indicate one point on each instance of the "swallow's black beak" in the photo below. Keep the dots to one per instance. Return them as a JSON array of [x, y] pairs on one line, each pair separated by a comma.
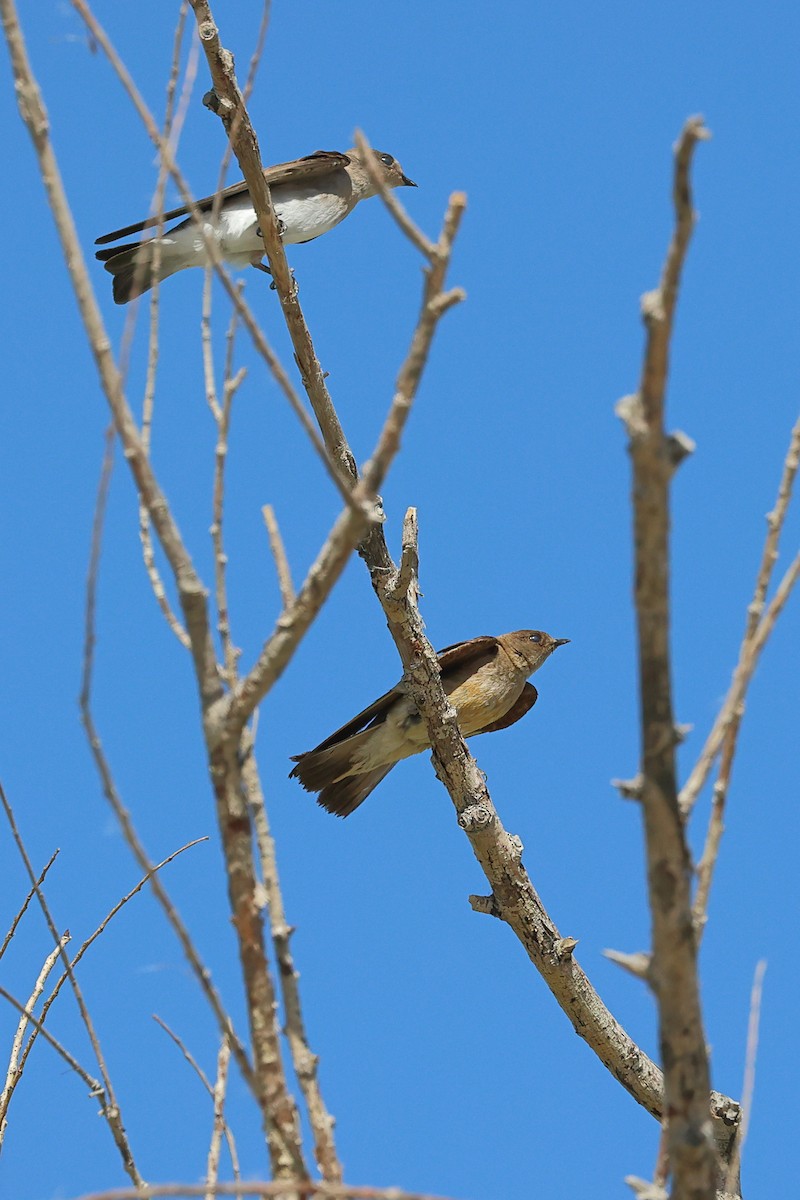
[[408, 182], [561, 642]]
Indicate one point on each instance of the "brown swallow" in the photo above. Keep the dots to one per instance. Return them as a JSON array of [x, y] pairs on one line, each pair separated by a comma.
[[310, 196], [485, 681]]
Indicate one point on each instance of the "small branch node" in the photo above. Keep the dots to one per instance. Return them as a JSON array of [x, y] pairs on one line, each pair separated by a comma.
[[487, 905], [630, 411], [515, 845], [475, 818], [629, 789], [652, 307], [643, 1189], [564, 948], [679, 446]]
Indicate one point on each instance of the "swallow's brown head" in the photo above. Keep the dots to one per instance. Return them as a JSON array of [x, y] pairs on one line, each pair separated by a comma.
[[530, 646], [392, 171]]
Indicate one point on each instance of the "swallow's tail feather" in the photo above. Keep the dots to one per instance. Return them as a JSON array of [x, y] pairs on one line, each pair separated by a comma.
[[344, 796], [138, 265], [318, 768]]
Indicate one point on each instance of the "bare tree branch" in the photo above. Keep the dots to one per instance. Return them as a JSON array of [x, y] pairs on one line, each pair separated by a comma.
[[173, 123], [220, 1126], [288, 594], [305, 1062], [673, 970]]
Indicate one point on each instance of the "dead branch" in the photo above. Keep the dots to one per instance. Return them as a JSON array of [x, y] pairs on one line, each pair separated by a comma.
[[15, 1062], [673, 970]]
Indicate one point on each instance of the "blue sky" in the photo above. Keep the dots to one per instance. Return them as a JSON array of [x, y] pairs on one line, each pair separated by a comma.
[[448, 1066]]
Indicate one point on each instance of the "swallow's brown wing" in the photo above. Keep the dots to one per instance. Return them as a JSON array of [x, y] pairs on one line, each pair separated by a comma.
[[318, 163], [370, 716], [453, 659], [306, 168], [516, 712]]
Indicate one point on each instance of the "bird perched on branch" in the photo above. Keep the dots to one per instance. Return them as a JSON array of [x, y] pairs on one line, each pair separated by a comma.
[[484, 679], [310, 196]]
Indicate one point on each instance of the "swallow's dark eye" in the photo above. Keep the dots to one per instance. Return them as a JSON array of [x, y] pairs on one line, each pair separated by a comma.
[[386, 159], [536, 637]]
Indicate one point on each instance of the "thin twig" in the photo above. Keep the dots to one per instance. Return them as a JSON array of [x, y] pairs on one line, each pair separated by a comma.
[[748, 657], [194, 1064], [172, 131], [288, 594], [26, 902], [411, 371], [220, 1126], [749, 1082], [231, 384], [748, 662], [15, 1065]]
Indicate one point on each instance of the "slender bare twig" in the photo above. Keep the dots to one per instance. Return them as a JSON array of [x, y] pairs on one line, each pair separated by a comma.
[[748, 657], [220, 1127], [15, 1065], [304, 1060], [435, 302], [111, 1110], [194, 1064], [288, 594], [172, 130], [23, 909], [744, 673], [231, 384], [749, 1082], [673, 970]]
